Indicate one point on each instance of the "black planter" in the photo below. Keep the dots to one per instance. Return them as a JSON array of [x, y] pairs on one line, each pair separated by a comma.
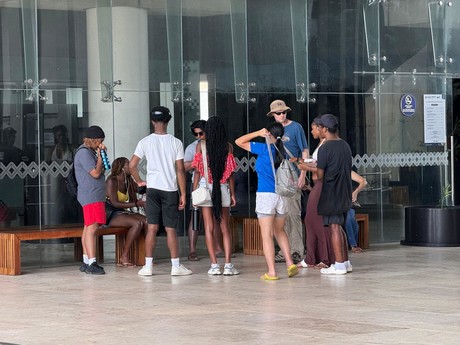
[[432, 226]]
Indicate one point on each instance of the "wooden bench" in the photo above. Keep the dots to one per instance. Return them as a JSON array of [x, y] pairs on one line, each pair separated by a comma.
[[252, 239], [10, 243], [363, 233]]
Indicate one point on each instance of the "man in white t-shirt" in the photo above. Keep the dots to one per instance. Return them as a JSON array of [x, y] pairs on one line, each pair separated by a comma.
[[165, 177]]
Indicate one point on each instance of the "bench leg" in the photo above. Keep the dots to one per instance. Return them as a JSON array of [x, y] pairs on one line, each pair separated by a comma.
[[136, 252], [78, 249], [10, 254]]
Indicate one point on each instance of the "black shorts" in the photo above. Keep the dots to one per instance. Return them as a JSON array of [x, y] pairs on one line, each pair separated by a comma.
[[162, 207]]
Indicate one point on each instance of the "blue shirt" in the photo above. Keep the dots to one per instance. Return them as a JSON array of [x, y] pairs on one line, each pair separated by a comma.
[[264, 170], [294, 139]]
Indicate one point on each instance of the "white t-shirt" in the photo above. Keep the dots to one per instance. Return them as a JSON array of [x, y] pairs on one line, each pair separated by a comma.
[[161, 151]]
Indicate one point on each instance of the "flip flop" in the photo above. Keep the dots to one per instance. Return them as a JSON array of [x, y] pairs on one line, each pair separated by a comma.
[[267, 277], [356, 249], [321, 265], [193, 257], [292, 271]]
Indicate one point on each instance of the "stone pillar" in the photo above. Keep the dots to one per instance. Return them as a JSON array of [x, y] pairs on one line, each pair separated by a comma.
[[124, 122]]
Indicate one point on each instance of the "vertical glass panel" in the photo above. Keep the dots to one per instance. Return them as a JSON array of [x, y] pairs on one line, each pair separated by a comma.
[[332, 30], [239, 49], [299, 45], [371, 29], [452, 28], [438, 24], [174, 34], [29, 31], [406, 42]]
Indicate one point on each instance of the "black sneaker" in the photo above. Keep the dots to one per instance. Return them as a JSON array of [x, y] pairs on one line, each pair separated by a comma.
[[94, 268], [296, 257], [83, 267]]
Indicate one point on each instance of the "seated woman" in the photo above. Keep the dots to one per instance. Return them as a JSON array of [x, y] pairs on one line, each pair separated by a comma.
[[121, 201]]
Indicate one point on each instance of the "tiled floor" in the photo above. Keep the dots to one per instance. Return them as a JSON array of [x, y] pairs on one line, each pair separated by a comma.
[[395, 295]]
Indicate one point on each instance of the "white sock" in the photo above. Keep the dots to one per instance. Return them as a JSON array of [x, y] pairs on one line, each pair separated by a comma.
[[148, 262], [90, 261], [175, 262], [228, 265], [85, 259], [340, 265], [214, 265]]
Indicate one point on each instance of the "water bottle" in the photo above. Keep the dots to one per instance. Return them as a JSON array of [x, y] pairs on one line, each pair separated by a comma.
[[105, 160], [195, 219]]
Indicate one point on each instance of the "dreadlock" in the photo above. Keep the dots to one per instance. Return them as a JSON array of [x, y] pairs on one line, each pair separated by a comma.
[[276, 129], [217, 149]]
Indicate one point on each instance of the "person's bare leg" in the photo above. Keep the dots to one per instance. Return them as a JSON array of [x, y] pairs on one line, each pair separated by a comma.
[[209, 223], [282, 239], [337, 242], [89, 235], [150, 239], [266, 230], [344, 244], [217, 238], [226, 235], [171, 237], [135, 226], [192, 239]]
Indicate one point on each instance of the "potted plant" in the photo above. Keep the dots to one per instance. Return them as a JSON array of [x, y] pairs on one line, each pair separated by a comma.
[[436, 226]]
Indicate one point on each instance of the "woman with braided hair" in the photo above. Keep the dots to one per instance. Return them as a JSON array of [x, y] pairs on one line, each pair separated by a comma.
[[221, 164], [122, 204]]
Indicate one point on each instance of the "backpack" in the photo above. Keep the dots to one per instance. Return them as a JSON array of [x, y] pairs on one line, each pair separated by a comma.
[[285, 176], [71, 180], [286, 179]]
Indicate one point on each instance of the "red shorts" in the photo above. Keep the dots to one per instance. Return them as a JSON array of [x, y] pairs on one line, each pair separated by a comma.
[[94, 213]]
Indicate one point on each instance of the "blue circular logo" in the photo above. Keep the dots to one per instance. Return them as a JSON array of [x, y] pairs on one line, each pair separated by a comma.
[[408, 105]]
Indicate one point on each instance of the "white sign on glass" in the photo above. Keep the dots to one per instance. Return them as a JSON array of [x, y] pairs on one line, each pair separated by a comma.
[[434, 110]]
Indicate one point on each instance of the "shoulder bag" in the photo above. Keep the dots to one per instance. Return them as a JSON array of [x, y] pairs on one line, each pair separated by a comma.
[[202, 195]]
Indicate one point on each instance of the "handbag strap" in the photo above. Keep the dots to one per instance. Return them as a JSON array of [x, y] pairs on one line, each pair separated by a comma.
[[205, 162], [271, 157]]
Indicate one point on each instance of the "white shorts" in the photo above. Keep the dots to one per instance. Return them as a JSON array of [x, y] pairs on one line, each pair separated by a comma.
[[269, 204], [225, 191]]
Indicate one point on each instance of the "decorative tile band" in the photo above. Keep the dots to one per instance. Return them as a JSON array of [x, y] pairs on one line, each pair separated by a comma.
[[389, 160]]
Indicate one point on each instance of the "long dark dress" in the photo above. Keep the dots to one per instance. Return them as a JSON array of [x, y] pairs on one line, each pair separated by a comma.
[[318, 240]]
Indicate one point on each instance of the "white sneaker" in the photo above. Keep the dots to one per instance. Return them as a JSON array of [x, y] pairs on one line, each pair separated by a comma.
[[349, 268], [332, 270], [180, 271], [230, 271], [146, 271], [303, 264], [214, 271]]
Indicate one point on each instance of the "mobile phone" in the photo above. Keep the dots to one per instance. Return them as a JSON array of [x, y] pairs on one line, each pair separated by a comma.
[[308, 160]]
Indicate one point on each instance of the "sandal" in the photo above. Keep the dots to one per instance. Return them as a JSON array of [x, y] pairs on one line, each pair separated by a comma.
[[356, 249], [321, 265], [267, 277], [193, 257], [292, 271], [126, 264]]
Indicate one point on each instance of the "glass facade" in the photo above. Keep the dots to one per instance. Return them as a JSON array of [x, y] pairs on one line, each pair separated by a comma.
[[387, 69]]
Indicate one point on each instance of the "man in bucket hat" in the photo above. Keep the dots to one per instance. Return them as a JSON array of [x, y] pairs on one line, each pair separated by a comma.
[[295, 141]]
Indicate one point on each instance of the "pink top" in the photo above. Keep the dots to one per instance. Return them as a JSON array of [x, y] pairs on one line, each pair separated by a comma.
[[230, 166]]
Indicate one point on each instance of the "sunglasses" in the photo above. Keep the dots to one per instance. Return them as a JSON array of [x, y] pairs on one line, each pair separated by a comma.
[[198, 133], [279, 112]]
